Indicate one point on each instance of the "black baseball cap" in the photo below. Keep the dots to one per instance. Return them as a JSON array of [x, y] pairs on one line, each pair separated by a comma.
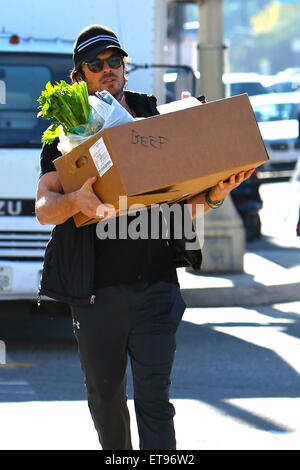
[[92, 40]]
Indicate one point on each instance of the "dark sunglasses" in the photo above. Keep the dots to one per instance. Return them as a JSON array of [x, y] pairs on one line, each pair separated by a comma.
[[114, 62]]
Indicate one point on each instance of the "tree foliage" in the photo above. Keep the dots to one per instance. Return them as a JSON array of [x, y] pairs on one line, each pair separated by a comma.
[[278, 21]]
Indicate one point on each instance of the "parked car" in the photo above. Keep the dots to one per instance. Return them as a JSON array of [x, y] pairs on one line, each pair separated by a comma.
[[238, 83], [289, 84], [278, 117]]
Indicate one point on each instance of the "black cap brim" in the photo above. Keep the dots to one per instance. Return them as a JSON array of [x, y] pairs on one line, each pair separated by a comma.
[[92, 54]]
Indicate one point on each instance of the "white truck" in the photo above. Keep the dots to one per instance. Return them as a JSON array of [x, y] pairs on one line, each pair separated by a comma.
[[35, 49]]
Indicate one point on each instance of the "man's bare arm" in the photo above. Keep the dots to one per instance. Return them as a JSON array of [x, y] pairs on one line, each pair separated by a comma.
[[53, 207]]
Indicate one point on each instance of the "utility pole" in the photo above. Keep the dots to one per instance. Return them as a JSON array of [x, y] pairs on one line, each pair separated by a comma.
[[211, 49], [224, 235]]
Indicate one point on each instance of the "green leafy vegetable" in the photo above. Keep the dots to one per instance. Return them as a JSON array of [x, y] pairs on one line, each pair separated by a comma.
[[67, 104]]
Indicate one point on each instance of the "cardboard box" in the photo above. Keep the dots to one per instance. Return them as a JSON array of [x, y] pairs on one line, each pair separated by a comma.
[[168, 157]]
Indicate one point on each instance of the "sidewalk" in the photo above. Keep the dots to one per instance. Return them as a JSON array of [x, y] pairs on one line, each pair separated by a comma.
[[271, 275]]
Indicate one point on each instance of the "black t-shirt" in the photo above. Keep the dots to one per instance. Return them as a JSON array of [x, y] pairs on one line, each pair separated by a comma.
[[124, 260]]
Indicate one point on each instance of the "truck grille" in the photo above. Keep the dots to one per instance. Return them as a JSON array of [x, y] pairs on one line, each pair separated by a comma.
[[20, 245]]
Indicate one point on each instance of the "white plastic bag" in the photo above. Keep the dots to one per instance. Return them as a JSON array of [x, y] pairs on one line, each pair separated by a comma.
[[68, 142], [110, 109], [106, 112]]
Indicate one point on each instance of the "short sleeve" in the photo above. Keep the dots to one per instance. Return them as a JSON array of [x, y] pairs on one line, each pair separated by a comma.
[[48, 154]]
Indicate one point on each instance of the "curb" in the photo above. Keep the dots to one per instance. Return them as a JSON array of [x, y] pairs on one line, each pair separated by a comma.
[[241, 296]]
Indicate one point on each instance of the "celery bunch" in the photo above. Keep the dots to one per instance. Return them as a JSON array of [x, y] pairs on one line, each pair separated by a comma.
[[67, 104]]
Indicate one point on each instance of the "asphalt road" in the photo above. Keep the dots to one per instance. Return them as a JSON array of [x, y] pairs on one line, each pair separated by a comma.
[[235, 382]]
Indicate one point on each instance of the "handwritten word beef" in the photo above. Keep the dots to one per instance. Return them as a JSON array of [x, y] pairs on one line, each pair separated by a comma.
[[156, 142]]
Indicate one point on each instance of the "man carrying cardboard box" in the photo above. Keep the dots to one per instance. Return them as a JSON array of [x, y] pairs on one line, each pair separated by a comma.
[[124, 293]]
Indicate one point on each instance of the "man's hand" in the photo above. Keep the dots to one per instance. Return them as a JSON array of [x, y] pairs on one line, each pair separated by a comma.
[[90, 204], [218, 192], [223, 188], [185, 94]]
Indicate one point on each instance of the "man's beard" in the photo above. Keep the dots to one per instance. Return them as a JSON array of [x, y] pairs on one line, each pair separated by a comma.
[[117, 93]]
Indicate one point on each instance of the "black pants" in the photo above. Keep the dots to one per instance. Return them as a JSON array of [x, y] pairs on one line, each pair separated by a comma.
[[139, 320]]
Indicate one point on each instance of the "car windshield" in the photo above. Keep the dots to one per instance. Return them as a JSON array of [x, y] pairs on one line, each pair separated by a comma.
[[276, 111], [23, 77], [283, 87], [23, 85], [252, 88]]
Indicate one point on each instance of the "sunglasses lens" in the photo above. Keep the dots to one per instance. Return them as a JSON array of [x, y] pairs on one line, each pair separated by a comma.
[[95, 66], [114, 62]]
